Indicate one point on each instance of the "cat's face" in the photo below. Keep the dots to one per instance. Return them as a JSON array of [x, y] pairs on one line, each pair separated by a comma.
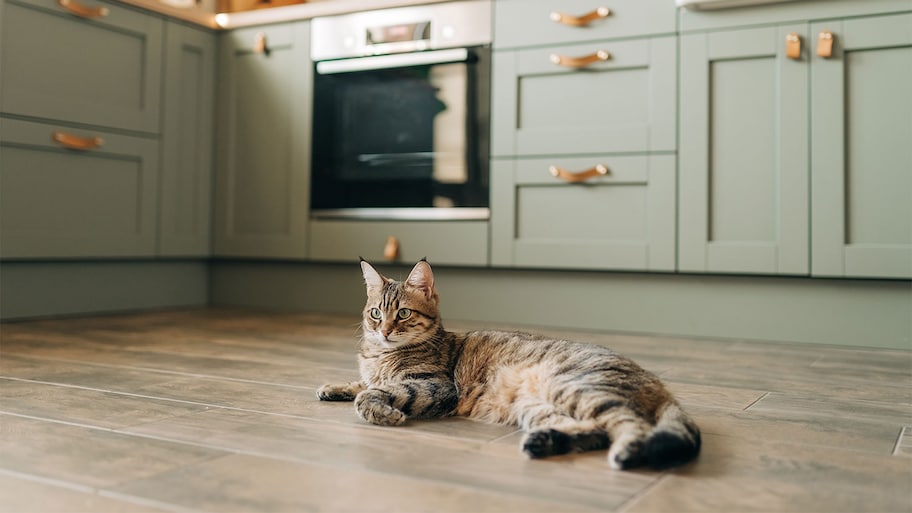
[[403, 313]]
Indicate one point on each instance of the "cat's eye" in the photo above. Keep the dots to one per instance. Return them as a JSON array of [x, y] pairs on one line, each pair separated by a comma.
[[376, 314], [403, 313]]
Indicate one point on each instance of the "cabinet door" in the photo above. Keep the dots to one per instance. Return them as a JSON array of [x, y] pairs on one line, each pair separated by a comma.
[[263, 142], [743, 153], [521, 23], [623, 219], [862, 149], [625, 103], [188, 123], [103, 71], [58, 203]]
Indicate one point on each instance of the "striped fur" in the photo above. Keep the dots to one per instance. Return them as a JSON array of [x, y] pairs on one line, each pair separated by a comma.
[[567, 396]]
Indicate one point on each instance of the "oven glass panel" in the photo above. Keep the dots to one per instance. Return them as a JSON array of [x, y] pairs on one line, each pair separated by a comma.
[[401, 137]]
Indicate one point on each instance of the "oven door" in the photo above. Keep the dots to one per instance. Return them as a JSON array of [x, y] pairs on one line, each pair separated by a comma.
[[401, 131]]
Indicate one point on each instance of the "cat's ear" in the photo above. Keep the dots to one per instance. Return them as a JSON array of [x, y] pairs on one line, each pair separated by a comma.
[[374, 280], [422, 278]]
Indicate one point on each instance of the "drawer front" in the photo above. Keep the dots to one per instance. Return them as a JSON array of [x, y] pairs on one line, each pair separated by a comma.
[[442, 242], [58, 203], [539, 22], [621, 220], [103, 71], [623, 104]]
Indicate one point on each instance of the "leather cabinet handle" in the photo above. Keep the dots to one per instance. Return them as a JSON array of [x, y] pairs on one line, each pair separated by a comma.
[[580, 176], [74, 142], [580, 21], [83, 11], [580, 62]]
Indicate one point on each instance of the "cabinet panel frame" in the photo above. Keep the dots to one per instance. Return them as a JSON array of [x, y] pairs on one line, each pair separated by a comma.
[[832, 254]]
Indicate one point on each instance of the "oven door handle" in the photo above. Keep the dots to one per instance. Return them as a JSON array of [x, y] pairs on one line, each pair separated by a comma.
[[399, 60]]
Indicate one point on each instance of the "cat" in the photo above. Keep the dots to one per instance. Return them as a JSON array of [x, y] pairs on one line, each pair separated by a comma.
[[566, 396]]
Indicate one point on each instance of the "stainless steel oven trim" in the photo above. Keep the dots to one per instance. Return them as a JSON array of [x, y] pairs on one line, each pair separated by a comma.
[[406, 214], [393, 61]]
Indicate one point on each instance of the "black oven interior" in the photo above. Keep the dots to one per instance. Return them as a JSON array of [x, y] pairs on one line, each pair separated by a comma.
[[412, 136]]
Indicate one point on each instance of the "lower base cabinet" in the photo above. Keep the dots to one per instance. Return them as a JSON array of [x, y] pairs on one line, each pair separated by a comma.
[[606, 212], [70, 193]]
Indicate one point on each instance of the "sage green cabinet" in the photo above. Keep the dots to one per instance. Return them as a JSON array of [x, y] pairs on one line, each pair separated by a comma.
[[624, 219], [101, 71], [62, 203], [624, 103], [186, 142], [263, 142], [861, 159], [522, 23], [743, 157], [797, 165]]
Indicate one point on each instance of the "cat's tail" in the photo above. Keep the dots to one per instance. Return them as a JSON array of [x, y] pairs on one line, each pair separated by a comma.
[[674, 440]]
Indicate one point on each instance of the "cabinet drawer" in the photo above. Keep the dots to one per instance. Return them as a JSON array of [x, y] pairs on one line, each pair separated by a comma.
[[622, 220], [442, 242], [626, 103], [57, 202], [532, 22], [101, 71]]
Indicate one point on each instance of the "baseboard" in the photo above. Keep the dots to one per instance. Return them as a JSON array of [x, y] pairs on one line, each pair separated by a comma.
[[861, 313], [44, 289]]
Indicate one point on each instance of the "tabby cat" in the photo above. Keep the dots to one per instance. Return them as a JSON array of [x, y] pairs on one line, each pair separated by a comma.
[[566, 396]]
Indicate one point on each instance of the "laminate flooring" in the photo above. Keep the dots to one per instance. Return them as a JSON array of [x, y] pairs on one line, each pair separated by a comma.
[[215, 410]]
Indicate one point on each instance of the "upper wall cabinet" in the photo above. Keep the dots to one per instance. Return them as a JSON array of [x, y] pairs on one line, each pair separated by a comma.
[[186, 143], [92, 62], [263, 142], [861, 160], [744, 152]]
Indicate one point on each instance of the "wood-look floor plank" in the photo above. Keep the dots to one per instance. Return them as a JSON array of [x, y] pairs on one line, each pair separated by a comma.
[[243, 483], [765, 476], [88, 456], [81, 406], [23, 495]]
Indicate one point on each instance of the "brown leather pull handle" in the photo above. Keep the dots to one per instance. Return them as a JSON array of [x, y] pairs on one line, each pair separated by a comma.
[[825, 44], [580, 176], [83, 11], [391, 249], [580, 21], [580, 62], [793, 46], [74, 142], [260, 44]]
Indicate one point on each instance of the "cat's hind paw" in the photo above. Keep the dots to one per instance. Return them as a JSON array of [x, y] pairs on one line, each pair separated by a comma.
[[545, 442]]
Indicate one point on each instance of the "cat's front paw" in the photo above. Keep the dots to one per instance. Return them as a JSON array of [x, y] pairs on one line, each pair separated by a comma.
[[344, 392], [373, 406]]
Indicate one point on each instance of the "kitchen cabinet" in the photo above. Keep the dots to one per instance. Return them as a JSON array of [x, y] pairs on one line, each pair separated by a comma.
[[97, 201], [584, 136], [263, 142], [186, 141], [861, 157], [623, 219], [797, 165], [101, 68], [744, 152]]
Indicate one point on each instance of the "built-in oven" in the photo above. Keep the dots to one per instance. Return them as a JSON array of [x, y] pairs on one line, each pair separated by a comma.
[[401, 112]]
